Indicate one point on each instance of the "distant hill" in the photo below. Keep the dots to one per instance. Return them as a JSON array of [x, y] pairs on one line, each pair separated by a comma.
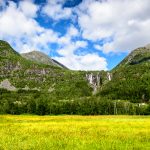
[[131, 77], [40, 57]]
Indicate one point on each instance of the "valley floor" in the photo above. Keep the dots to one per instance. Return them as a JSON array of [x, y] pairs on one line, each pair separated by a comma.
[[74, 132]]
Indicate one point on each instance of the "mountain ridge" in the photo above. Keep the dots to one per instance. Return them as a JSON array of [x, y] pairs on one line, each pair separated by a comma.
[[40, 57], [30, 87]]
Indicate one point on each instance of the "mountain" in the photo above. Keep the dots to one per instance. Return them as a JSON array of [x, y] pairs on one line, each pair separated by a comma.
[[59, 64], [40, 57], [26, 75], [6, 52], [43, 87], [137, 56], [131, 78]]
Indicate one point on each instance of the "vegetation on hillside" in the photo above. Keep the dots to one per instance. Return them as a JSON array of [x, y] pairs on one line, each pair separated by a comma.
[[131, 78], [47, 89]]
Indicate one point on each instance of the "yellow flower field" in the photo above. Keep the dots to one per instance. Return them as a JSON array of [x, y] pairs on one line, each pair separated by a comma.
[[27, 132]]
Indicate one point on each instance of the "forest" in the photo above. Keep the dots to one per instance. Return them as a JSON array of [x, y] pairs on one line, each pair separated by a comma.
[[34, 102]]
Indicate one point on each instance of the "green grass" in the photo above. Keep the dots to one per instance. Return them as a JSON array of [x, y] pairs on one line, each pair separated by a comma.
[[74, 132]]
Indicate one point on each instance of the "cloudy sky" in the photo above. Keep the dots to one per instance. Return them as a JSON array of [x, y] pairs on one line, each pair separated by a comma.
[[81, 34]]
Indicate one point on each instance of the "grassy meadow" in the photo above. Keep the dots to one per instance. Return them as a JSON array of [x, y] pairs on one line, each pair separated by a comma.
[[27, 132]]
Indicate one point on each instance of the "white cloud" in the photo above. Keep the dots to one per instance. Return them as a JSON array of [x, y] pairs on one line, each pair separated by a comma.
[[13, 22], [72, 31], [20, 29], [55, 10], [74, 61], [69, 48], [81, 44], [28, 8], [86, 62], [67, 45], [98, 47], [127, 22], [67, 38]]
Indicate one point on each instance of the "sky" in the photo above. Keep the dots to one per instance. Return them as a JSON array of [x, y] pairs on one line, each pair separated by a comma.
[[81, 34]]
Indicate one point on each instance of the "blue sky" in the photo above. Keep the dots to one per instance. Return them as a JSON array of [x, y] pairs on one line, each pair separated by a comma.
[[81, 34]]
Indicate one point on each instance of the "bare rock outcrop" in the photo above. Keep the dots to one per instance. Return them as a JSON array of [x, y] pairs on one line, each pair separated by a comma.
[[5, 84]]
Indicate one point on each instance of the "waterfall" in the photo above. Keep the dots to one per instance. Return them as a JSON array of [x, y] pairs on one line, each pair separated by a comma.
[[109, 76], [94, 81]]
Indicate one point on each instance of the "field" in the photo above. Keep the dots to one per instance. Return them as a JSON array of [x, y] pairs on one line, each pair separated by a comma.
[[74, 132]]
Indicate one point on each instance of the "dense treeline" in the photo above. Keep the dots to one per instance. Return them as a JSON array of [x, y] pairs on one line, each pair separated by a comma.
[[130, 82], [134, 91], [34, 102]]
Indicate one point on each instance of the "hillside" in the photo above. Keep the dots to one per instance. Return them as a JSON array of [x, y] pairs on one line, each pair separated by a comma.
[[40, 57], [22, 79], [28, 86], [131, 78]]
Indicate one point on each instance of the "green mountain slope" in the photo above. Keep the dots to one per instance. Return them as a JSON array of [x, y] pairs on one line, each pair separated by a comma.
[[40, 57], [28, 86], [131, 78], [26, 75]]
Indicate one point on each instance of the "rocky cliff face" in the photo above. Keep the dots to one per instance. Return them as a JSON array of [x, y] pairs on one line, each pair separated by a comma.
[[96, 80], [5, 84]]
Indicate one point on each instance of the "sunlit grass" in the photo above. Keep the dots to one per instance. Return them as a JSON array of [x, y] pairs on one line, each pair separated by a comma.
[[74, 132]]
